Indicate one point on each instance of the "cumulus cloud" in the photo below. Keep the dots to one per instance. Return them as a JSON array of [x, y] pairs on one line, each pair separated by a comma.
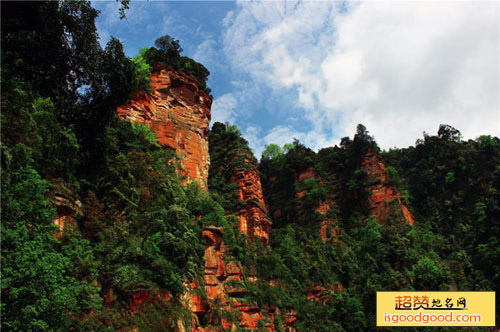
[[399, 68], [207, 53], [223, 108], [281, 135], [253, 135]]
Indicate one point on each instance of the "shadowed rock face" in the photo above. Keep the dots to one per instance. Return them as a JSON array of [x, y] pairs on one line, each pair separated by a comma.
[[329, 226], [380, 194], [179, 113], [67, 204], [253, 216], [223, 283]]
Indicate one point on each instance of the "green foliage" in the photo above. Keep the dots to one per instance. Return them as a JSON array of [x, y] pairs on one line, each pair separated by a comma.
[[274, 154], [450, 177], [448, 133], [155, 240], [168, 45], [142, 71], [168, 53], [451, 187], [34, 136], [229, 153], [140, 229], [280, 177], [427, 274], [125, 5], [272, 151], [59, 146], [67, 35], [40, 288], [75, 80]]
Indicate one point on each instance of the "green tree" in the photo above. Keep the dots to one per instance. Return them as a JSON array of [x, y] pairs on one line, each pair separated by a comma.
[[40, 288], [168, 53], [142, 71]]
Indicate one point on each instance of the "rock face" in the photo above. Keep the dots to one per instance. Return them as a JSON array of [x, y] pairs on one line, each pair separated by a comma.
[[233, 163], [329, 226], [380, 193], [224, 284], [253, 216], [67, 204], [179, 113], [215, 272]]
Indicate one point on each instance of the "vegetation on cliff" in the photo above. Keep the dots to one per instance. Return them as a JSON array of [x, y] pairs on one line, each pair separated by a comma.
[[452, 187], [229, 153], [128, 226], [168, 53], [139, 227], [361, 256]]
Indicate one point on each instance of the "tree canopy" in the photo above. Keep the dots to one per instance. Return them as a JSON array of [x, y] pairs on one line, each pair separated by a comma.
[[131, 225], [168, 52]]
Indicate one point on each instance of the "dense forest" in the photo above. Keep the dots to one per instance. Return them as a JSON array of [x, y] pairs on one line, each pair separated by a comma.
[[451, 186], [137, 225]]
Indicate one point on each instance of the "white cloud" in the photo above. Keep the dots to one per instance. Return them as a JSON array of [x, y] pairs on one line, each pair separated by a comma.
[[281, 135], [207, 54], [397, 67], [253, 135], [223, 108]]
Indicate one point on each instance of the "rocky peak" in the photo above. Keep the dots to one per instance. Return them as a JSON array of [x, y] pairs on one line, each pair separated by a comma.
[[178, 111], [234, 173], [381, 193]]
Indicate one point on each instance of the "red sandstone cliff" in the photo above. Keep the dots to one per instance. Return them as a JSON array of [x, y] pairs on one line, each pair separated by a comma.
[[380, 193], [179, 113], [329, 226], [253, 216], [225, 282]]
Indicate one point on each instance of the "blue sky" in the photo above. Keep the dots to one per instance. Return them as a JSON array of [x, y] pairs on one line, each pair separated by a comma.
[[313, 70]]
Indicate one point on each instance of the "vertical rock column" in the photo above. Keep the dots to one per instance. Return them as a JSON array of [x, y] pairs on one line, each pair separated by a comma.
[[380, 193], [179, 113], [253, 216]]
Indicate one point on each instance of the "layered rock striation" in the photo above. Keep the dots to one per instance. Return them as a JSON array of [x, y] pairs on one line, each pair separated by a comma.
[[224, 283], [253, 216], [178, 111], [234, 175]]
